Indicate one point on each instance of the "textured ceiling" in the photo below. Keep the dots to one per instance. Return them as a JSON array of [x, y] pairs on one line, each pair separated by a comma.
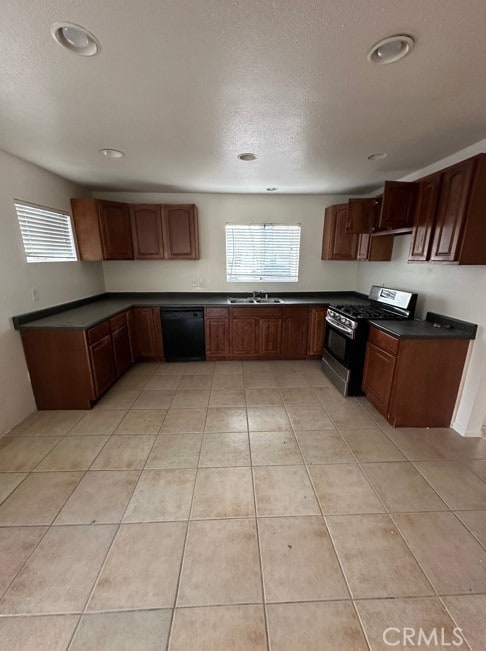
[[183, 86]]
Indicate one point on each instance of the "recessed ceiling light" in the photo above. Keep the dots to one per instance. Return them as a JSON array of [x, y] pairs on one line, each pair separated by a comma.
[[377, 156], [112, 153], [75, 39], [391, 49], [271, 189], [247, 156]]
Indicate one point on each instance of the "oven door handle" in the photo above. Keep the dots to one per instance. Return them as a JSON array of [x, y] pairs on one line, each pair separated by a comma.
[[342, 328]]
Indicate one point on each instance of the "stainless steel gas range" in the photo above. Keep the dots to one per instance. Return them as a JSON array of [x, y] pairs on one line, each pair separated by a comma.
[[347, 328]]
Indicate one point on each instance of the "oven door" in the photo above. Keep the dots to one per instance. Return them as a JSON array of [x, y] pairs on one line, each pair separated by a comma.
[[339, 345]]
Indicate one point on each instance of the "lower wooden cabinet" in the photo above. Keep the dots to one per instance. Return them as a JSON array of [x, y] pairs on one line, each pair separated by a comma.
[[216, 331], [413, 382], [317, 328], [270, 337], [102, 365], [295, 332], [146, 333], [120, 339]]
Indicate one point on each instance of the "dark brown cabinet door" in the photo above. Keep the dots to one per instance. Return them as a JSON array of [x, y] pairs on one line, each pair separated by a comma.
[[425, 217], [121, 350], [102, 364], [378, 376], [359, 216], [317, 325], [146, 333], [270, 338], [451, 211], [295, 332], [217, 337], [116, 235], [398, 207], [244, 337], [336, 243], [180, 233], [146, 224]]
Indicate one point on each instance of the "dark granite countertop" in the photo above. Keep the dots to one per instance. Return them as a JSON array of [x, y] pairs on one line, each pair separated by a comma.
[[435, 326], [86, 313]]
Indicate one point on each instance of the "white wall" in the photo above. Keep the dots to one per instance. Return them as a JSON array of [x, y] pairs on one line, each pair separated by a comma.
[[214, 211], [457, 291], [56, 282]]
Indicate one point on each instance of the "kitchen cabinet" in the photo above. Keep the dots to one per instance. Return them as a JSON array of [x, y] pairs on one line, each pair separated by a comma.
[[256, 332], [375, 248], [362, 215], [413, 382], [398, 206], [449, 222], [102, 229], [428, 197], [146, 223], [270, 337], [180, 232], [102, 364], [317, 326], [336, 243], [72, 369], [295, 332], [146, 333], [216, 332], [459, 231], [120, 340]]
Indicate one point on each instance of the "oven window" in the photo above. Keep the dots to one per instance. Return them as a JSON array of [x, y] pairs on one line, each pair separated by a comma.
[[336, 344]]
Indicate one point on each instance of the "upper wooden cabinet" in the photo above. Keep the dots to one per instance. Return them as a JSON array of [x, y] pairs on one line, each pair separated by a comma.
[[106, 230], [147, 231], [180, 233], [428, 197], [102, 229], [336, 243], [375, 248], [450, 218], [359, 218], [460, 225], [397, 212]]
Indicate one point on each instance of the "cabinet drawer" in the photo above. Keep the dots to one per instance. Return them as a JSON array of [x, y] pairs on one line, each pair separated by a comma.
[[252, 312], [384, 341], [216, 312], [296, 312], [118, 321], [98, 332]]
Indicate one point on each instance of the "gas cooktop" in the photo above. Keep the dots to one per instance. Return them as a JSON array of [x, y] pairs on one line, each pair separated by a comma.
[[356, 312]]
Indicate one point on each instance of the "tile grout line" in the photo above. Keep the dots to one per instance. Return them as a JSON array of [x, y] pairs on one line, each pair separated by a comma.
[[331, 540], [184, 544], [110, 546]]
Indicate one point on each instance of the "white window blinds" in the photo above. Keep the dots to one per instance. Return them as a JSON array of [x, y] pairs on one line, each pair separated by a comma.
[[262, 252], [47, 234]]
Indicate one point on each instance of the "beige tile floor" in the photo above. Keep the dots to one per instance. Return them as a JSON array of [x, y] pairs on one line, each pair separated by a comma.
[[237, 505]]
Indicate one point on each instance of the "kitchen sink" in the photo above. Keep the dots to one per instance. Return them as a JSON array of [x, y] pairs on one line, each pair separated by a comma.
[[254, 300]]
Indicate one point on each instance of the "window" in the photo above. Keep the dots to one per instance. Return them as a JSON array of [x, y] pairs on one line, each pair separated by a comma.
[[47, 234], [262, 253]]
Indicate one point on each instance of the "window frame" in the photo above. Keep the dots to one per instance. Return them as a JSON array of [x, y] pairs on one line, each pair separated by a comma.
[[54, 229], [292, 275]]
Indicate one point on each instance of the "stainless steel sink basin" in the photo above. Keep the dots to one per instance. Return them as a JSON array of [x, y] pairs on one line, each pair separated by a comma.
[[257, 300]]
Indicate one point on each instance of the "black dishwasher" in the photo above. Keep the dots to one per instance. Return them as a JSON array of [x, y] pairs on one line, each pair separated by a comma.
[[183, 334]]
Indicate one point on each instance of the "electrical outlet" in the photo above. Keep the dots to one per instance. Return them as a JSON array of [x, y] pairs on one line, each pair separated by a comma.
[[195, 282], [35, 295]]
